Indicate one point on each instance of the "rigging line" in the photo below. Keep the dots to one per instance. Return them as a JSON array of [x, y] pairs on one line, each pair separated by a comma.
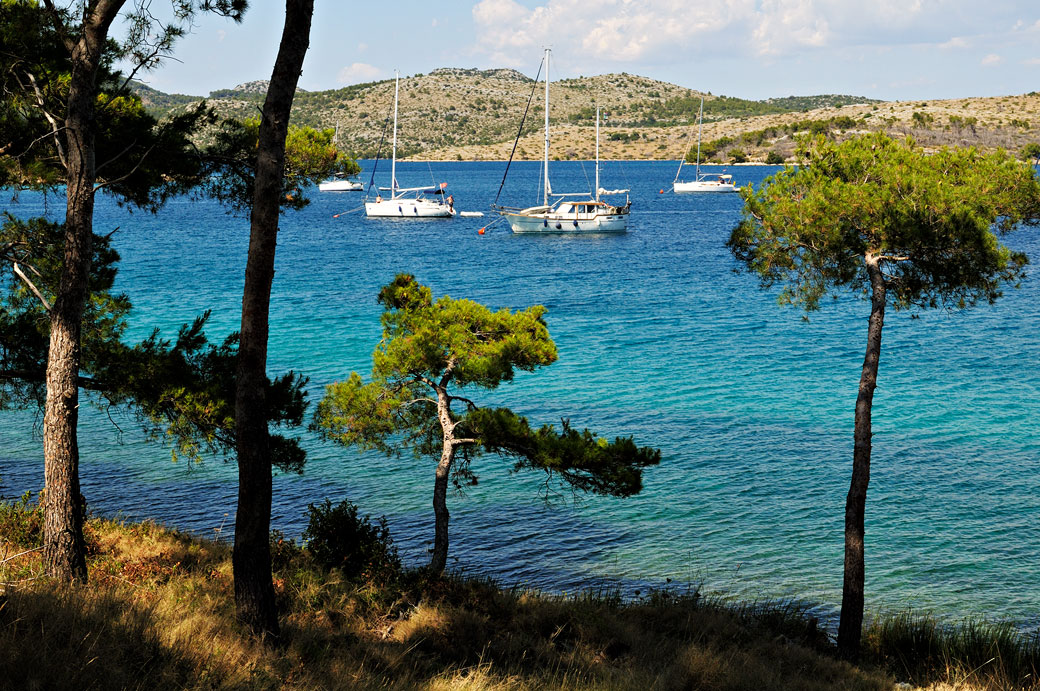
[[379, 149], [343, 213], [686, 152], [587, 181], [624, 173], [519, 132]]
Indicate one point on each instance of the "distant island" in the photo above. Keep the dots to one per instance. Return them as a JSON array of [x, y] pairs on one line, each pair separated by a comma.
[[470, 114]]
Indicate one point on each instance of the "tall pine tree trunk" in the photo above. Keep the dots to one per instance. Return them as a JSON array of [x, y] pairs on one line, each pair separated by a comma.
[[254, 590], [440, 510], [440, 485], [63, 547], [850, 627]]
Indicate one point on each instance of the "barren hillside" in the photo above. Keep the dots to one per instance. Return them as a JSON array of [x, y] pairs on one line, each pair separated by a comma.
[[470, 114]]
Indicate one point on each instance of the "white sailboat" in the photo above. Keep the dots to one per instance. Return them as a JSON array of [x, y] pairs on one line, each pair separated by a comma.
[[591, 215], [407, 202], [702, 182]]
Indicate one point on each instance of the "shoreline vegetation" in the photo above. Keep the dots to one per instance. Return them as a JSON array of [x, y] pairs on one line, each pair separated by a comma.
[[159, 614]]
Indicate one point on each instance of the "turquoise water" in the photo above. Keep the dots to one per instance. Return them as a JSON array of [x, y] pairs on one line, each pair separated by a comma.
[[658, 337]]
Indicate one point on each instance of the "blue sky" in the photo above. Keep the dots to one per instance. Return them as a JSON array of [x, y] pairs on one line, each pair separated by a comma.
[[887, 49]]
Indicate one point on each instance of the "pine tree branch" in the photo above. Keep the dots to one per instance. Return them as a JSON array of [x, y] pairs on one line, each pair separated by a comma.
[[55, 127], [32, 286]]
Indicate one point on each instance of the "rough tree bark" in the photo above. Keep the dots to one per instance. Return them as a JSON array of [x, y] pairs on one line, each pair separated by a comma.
[[440, 485], [254, 590], [850, 627], [63, 547]]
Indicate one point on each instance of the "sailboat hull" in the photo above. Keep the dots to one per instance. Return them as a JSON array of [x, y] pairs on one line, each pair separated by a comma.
[[408, 208], [521, 222], [704, 186]]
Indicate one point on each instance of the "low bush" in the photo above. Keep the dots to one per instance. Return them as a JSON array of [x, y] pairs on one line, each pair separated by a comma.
[[337, 537], [21, 521]]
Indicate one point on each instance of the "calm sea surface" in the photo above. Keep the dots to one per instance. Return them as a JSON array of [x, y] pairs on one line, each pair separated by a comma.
[[658, 338]]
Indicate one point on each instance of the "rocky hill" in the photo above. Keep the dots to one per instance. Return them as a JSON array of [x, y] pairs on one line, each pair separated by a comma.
[[470, 114]]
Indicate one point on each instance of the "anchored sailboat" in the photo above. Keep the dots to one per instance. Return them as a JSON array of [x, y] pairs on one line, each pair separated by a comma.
[[407, 202], [591, 215], [702, 182]]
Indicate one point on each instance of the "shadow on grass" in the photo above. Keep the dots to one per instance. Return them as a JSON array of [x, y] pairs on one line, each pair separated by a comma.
[[56, 638]]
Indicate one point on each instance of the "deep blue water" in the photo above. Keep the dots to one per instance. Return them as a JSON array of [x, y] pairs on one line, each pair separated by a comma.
[[659, 338]]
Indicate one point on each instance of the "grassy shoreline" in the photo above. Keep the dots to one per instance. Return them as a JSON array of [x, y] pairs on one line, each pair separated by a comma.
[[158, 613]]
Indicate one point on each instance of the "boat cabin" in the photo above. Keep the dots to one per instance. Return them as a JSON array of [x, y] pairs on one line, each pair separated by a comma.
[[576, 208]]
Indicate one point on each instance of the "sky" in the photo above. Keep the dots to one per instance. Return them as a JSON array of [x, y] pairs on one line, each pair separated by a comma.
[[756, 49]]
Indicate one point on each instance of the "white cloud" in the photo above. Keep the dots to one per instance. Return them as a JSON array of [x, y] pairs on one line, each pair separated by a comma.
[[673, 31], [955, 43], [992, 60], [783, 24], [618, 31], [358, 72], [1031, 61], [699, 35]]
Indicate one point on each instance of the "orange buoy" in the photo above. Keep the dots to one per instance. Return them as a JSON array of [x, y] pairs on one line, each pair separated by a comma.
[[480, 232], [661, 192]]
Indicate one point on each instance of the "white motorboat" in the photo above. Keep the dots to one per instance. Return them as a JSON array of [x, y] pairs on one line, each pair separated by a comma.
[[408, 202], [561, 215], [341, 184], [702, 182]]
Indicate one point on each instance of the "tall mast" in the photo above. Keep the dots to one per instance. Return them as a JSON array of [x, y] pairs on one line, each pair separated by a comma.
[[700, 124], [597, 153], [545, 192], [393, 160]]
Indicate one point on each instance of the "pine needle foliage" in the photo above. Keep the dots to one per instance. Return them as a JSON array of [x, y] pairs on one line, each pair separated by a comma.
[[434, 350], [932, 219]]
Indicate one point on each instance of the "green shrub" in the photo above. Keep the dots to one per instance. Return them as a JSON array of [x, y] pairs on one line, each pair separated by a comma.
[[1030, 152], [338, 538], [737, 156], [773, 158], [21, 522]]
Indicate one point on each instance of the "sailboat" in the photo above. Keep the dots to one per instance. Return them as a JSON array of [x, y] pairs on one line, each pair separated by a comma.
[[702, 182], [407, 202], [591, 215]]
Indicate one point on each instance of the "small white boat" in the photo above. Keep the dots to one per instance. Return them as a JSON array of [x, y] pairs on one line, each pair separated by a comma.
[[702, 182], [408, 202], [341, 183], [707, 182], [400, 205], [590, 215]]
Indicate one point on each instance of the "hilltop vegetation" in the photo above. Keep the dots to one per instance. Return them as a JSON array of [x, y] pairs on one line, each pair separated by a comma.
[[470, 114]]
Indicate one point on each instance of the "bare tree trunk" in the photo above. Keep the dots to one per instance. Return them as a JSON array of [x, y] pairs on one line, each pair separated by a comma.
[[254, 590], [63, 546], [440, 510], [440, 486], [850, 627]]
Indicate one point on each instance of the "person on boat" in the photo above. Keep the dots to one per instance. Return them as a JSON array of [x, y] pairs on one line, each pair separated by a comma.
[[451, 202]]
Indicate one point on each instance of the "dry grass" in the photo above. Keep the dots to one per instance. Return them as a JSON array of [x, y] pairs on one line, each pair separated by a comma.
[[158, 614]]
